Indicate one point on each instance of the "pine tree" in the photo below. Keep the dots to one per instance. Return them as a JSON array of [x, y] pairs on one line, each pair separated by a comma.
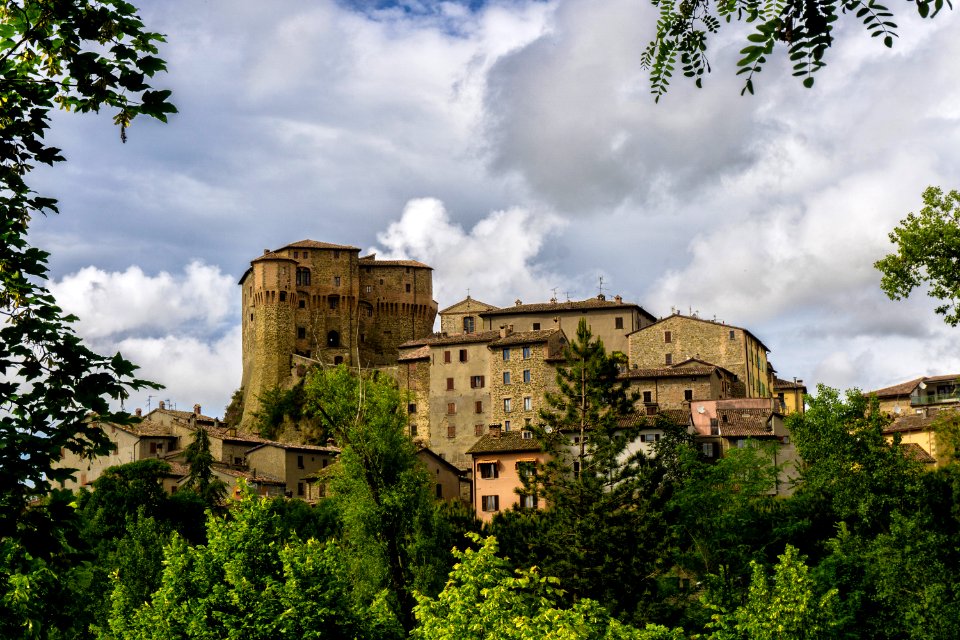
[[201, 479]]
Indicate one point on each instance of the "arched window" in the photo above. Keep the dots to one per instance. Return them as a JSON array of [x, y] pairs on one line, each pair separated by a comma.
[[333, 339], [303, 276]]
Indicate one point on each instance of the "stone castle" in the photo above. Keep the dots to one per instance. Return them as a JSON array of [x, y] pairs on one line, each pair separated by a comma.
[[313, 302]]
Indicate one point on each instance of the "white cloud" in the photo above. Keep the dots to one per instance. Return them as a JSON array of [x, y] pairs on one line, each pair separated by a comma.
[[112, 304], [495, 260]]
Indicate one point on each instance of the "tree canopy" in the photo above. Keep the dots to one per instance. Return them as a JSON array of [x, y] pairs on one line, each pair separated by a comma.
[[927, 253], [804, 27]]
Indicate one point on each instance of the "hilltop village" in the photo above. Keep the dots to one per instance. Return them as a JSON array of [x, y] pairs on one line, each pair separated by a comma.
[[474, 389]]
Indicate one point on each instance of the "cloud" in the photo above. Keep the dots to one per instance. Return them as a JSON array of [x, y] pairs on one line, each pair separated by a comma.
[[116, 304], [494, 260]]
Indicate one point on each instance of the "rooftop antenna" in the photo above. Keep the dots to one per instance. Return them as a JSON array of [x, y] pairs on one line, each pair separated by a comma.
[[149, 398], [567, 293], [601, 284], [468, 292], [554, 292]]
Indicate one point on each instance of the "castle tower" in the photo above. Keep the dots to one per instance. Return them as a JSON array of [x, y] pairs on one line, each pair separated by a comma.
[[313, 302]]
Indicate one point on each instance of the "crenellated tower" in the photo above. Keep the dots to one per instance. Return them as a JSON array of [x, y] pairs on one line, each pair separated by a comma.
[[315, 302]]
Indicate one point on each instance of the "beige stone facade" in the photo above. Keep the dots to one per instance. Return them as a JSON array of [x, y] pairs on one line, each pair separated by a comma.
[[464, 316], [294, 464], [676, 386], [522, 371], [678, 338], [326, 303]]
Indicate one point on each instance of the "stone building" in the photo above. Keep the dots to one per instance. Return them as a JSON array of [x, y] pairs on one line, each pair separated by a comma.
[[327, 304], [522, 371], [677, 338], [677, 385]]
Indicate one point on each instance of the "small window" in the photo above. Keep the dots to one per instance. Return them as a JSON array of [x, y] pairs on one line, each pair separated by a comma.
[[336, 281], [381, 281], [528, 403], [449, 384], [478, 406], [153, 447], [526, 435], [688, 394], [506, 377], [283, 296], [527, 468], [536, 326], [299, 462], [413, 432], [302, 304], [296, 254], [334, 302], [490, 503], [526, 353], [463, 355], [667, 337], [408, 288], [477, 382], [469, 324], [528, 501], [451, 431], [708, 449], [368, 289], [412, 407], [506, 355], [647, 397], [336, 255], [526, 376], [507, 405], [733, 334], [478, 429], [238, 461], [506, 425], [299, 488], [301, 333], [618, 323], [451, 408], [333, 339], [439, 491], [446, 357], [303, 276], [668, 358], [488, 470]]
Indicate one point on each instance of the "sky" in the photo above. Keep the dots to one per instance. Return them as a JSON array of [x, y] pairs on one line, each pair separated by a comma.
[[514, 146]]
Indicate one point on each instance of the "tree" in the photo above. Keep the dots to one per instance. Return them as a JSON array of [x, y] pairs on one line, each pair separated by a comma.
[[80, 55], [928, 252], [804, 27], [381, 490], [485, 600], [600, 521], [201, 479]]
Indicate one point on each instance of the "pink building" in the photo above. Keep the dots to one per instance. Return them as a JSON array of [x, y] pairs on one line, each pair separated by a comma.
[[500, 461]]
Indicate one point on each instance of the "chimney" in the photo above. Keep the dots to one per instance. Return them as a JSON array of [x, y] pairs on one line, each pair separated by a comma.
[[232, 432], [506, 330], [266, 251], [163, 405], [601, 297], [330, 442], [139, 412], [196, 409], [518, 302], [495, 431], [617, 299]]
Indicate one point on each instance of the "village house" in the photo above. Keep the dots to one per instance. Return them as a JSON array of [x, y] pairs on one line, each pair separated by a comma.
[[500, 460]]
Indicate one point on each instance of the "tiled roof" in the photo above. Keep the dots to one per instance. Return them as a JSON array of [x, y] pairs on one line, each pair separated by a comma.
[[314, 244], [489, 307], [457, 338], [525, 337], [780, 385], [570, 305], [744, 422], [421, 353], [508, 442], [668, 372], [260, 478], [271, 255], [914, 451], [184, 415], [906, 388], [178, 469], [678, 417], [394, 263], [289, 446], [917, 421]]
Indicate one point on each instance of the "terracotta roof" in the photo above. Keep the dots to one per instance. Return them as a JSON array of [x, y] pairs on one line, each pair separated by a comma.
[[393, 263], [184, 415], [719, 324], [457, 338], [570, 305], [489, 307], [678, 417], [144, 429], [260, 478], [668, 372], [314, 244], [779, 384], [525, 337], [289, 446], [509, 441], [178, 469], [916, 421], [744, 422], [914, 451], [906, 388], [420, 353], [271, 255]]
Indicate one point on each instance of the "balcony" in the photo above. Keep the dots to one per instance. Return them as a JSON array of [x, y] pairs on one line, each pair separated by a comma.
[[934, 398]]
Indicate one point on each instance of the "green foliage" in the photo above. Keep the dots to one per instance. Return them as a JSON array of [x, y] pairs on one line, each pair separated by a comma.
[[234, 411], [201, 479], [789, 609], [804, 27], [279, 407], [600, 524], [946, 429], [252, 581], [122, 491], [927, 253], [485, 600], [380, 489]]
